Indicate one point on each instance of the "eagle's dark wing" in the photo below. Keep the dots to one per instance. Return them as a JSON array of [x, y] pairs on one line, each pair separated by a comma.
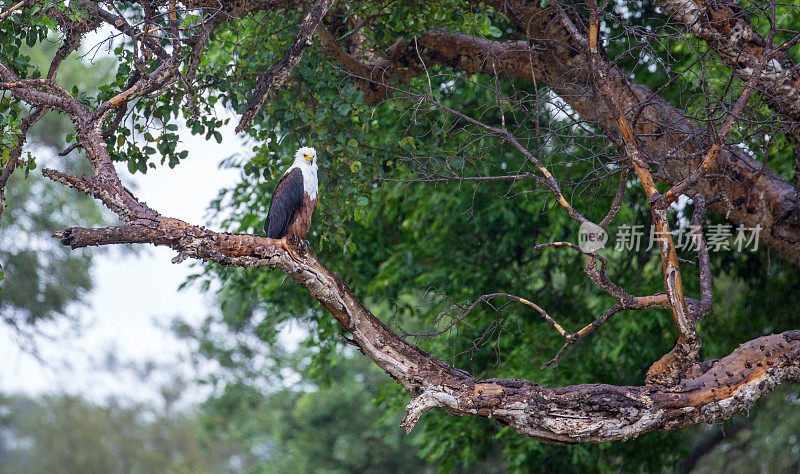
[[286, 200]]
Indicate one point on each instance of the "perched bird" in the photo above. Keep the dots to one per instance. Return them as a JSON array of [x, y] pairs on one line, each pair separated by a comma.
[[294, 199]]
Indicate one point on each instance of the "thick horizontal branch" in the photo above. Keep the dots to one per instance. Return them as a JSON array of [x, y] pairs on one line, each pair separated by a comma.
[[755, 195], [405, 362], [601, 413], [590, 412], [579, 413], [752, 193]]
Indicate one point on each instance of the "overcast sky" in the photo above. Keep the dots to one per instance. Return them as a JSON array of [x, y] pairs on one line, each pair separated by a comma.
[[133, 293]]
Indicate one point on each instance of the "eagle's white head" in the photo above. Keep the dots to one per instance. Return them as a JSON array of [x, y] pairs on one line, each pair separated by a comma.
[[305, 156], [306, 159]]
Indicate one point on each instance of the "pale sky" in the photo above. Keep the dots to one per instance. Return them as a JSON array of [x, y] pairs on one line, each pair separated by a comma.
[[133, 293]]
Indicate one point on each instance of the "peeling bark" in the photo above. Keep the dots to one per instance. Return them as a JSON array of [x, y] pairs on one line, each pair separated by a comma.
[[726, 28], [754, 194], [702, 392], [578, 413]]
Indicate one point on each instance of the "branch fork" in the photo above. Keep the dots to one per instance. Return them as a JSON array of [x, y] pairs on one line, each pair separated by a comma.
[[685, 392]]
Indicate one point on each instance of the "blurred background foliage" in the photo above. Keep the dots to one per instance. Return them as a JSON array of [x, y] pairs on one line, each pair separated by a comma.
[[287, 394], [44, 280]]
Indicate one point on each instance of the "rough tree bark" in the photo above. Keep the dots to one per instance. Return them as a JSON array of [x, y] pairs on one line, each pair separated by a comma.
[[754, 194], [633, 117], [578, 413], [725, 27]]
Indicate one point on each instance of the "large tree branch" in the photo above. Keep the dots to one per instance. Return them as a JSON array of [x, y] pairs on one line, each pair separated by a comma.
[[757, 195], [579, 413], [593, 413], [726, 28], [754, 194], [589, 412], [668, 369]]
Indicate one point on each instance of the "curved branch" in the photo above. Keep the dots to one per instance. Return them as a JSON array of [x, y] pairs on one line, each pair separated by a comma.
[[726, 29], [594, 413], [589, 412], [666, 370], [579, 413], [756, 194]]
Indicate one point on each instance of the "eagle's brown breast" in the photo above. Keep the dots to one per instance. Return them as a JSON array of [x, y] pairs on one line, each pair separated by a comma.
[[301, 221]]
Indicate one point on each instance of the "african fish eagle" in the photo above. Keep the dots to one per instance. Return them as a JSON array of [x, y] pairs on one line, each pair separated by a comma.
[[294, 199]]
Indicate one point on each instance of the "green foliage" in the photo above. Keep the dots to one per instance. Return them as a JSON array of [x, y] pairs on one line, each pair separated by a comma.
[[417, 251], [281, 424], [64, 433], [9, 128], [43, 278], [413, 249], [698, 83]]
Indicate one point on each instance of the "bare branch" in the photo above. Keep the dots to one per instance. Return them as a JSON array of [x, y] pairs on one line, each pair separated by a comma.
[[668, 369], [486, 298], [616, 205], [666, 136], [575, 70], [593, 412], [706, 303], [713, 152], [134, 33], [13, 8]]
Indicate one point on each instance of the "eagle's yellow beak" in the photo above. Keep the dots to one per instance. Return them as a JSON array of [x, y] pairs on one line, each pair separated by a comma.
[[307, 157]]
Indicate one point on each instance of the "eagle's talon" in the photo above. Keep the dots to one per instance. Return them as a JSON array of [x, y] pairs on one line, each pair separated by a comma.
[[286, 247]]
